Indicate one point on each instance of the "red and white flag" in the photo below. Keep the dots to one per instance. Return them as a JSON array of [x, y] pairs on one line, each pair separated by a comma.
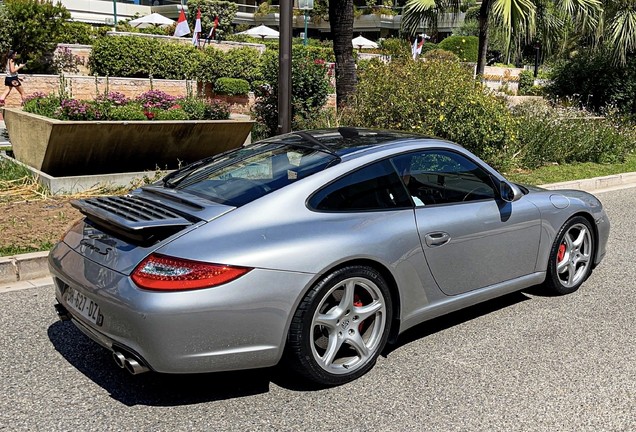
[[182, 27], [216, 24], [197, 29]]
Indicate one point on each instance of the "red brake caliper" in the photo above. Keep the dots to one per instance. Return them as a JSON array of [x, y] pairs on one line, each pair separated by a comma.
[[561, 253], [357, 303]]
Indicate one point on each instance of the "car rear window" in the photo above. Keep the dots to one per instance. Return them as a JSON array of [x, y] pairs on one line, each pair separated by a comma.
[[246, 174]]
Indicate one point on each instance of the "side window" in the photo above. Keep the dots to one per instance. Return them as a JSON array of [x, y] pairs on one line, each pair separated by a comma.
[[443, 177], [375, 187]]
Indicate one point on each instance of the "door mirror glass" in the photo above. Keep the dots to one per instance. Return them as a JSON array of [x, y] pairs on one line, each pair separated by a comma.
[[509, 192]]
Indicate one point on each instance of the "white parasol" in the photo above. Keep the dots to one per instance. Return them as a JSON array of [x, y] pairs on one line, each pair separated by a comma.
[[154, 19], [262, 31], [362, 42]]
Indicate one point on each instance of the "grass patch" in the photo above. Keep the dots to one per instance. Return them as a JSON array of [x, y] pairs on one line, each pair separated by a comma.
[[16, 249], [560, 173]]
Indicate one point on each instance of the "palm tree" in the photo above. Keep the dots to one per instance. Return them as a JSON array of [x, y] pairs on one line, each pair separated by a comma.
[[518, 17], [341, 21]]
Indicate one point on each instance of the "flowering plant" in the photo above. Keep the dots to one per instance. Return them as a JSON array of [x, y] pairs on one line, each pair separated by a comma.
[[156, 99], [72, 109], [152, 105]]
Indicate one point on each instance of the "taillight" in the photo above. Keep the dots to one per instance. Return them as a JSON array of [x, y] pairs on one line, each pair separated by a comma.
[[163, 273]]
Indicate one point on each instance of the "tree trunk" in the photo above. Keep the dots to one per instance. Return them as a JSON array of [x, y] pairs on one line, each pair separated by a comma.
[[341, 22], [484, 14]]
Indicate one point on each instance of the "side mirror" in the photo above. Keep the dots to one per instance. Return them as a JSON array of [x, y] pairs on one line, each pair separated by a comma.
[[509, 192]]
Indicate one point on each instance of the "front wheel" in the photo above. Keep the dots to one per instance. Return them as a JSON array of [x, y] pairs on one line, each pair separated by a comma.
[[571, 256], [341, 326]]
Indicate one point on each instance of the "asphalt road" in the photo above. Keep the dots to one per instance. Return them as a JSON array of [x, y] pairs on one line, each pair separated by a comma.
[[523, 362]]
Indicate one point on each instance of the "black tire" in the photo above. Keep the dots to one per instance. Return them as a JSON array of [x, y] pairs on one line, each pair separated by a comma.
[[570, 265], [347, 308]]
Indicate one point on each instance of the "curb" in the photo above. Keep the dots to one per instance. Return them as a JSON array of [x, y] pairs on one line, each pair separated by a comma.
[[595, 183], [25, 267]]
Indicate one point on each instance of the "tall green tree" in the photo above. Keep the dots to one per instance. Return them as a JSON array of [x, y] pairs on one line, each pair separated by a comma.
[[36, 28], [522, 19]]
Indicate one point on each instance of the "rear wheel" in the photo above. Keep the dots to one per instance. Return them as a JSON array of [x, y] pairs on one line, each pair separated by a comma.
[[571, 256], [341, 326]]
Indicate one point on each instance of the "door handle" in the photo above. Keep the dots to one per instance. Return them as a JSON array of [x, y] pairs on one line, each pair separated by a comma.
[[437, 238]]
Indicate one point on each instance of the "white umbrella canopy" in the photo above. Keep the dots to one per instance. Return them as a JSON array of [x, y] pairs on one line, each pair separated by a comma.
[[154, 19], [362, 42], [262, 31]]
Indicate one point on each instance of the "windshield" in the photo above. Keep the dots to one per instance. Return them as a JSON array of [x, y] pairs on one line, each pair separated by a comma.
[[245, 174]]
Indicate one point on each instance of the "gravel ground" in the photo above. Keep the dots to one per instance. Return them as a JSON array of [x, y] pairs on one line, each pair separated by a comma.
[[523, 362]]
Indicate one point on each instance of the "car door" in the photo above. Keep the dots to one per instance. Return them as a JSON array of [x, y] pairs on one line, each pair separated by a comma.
[[470, 237]]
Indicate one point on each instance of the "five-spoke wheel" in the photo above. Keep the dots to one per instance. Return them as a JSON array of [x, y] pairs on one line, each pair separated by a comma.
[[571, 256], [341, 326]]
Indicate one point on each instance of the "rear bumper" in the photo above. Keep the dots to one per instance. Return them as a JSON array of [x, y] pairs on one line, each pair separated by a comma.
[[239, 325]]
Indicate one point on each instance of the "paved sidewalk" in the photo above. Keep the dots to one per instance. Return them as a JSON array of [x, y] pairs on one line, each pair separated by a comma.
[[3, 140]]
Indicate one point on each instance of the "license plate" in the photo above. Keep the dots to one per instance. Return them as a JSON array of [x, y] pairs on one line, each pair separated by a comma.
[[85, 306]]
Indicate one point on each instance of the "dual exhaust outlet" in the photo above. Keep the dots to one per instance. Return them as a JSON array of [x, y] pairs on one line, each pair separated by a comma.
[[132, 365]]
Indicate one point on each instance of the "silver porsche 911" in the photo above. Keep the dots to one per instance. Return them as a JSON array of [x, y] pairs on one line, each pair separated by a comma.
[[317, 246]]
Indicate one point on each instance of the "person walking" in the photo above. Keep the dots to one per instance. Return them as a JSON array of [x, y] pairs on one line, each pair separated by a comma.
[[11, 80]]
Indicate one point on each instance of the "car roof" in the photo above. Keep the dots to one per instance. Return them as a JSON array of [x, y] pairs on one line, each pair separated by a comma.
[[348, 141]]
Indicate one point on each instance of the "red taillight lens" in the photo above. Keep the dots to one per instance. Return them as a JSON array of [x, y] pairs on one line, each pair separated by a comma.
[[163, 273]]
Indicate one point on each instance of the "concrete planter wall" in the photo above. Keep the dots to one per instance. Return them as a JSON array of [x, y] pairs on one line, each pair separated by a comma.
[[71, 148]]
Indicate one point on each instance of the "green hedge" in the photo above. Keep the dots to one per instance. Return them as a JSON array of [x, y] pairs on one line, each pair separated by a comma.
[[139, 57], [465, 47], [231, 86]]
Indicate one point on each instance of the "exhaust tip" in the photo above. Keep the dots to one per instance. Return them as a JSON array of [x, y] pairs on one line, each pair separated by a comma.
[[134, 367], [119, 359], [62, 313]]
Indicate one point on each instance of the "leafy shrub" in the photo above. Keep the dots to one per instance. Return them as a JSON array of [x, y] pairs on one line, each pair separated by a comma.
[[140, 57], [76, 32], [172, 114], [441, 55], [526, 81], [465, 47], [472, 13], [435, 98], [132, 112], [41, 104], [396, 48], [429, 46], [194, 107], [310, 87], [592, 78], [242, 63], [567, 135], [231, 86]]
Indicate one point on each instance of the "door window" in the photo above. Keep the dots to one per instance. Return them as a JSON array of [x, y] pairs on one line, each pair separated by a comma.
[[443, 177]]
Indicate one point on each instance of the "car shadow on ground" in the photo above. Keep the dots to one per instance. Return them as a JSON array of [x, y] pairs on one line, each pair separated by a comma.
[[156, 389], [444, 322]]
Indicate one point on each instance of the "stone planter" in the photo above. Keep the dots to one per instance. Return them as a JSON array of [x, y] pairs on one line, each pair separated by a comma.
[[72, 148]]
